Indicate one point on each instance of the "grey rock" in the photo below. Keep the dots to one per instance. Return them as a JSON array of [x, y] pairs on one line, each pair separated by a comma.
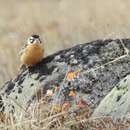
[[102, 64], [117, 102]]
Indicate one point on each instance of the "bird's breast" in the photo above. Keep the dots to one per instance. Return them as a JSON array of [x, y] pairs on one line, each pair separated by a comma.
[[32, 54]]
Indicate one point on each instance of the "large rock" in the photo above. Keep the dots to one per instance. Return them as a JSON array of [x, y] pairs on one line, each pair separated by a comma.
[[117, 102], [97, 67]]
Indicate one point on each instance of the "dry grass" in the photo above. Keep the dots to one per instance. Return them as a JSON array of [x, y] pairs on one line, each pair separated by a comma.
[[39, 117]]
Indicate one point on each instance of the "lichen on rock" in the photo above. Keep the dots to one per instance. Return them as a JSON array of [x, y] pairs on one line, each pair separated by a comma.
[[93, 70], [117, 103]]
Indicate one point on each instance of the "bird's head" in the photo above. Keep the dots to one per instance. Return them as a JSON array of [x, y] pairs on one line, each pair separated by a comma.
[[34, 39]]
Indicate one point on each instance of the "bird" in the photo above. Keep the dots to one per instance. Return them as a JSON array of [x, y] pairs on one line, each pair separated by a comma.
[[32, 52]]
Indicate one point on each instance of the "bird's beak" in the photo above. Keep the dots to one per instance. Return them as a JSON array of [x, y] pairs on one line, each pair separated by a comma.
[[37, 41]]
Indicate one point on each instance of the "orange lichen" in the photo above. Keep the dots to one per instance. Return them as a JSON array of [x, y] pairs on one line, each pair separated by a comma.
[[72, 93], [49, 92], [72, 74]]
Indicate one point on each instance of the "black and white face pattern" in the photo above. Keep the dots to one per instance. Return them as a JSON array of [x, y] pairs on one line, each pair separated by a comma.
[[34, 39]]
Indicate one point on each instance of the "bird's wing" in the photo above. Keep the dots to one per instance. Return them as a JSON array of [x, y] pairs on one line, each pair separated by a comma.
[[22, 49]]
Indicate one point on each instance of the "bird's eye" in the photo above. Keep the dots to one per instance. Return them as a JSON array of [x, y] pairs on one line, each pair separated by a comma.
[[31, 40]]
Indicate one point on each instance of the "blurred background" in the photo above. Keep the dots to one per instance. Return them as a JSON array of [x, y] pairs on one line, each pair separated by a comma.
[[61, 24]]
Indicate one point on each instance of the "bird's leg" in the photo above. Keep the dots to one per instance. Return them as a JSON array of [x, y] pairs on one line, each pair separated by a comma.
[[29, 70]]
